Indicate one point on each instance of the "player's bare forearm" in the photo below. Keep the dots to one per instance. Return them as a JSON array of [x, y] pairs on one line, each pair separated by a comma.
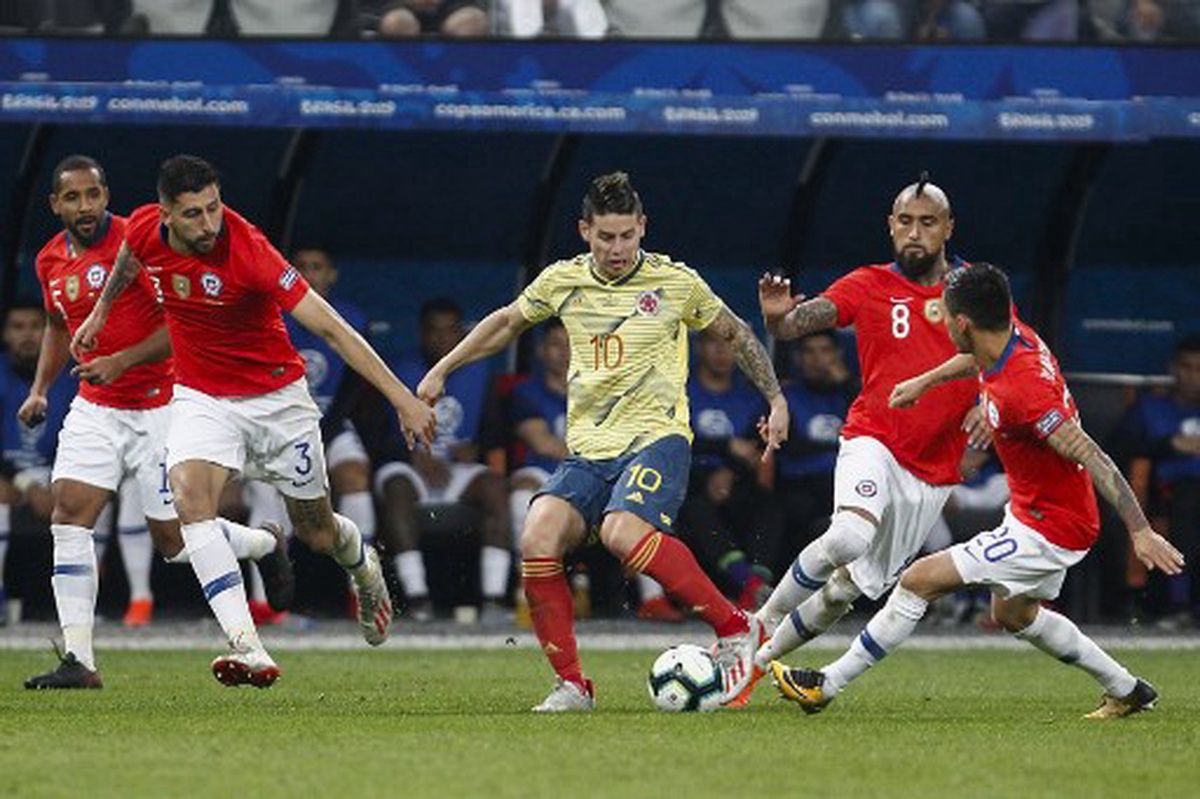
[[53, 357], [125, 269], [493, 333], [819, 313], [319, 316], [751, 355], [1070, 441]]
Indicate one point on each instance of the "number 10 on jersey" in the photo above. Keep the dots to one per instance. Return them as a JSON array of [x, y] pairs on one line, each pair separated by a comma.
[[608, 350]]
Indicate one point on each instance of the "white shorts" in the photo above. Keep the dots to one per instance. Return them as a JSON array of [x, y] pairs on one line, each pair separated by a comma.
[[461, 475], [275, 437], [346, 447], [99, 445], [867, 476], [1014, 560]]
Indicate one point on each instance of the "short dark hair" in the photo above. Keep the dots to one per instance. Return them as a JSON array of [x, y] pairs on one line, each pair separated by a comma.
[[24, 303], [440, 305], [1187, 345], [981, 292], [180, 174], [611, 194], [73, 163]]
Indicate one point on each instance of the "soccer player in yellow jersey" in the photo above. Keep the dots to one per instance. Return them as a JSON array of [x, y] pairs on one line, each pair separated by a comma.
[[627, 315]]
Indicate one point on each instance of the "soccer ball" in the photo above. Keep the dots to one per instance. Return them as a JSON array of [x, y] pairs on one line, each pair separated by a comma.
[[685, 678]]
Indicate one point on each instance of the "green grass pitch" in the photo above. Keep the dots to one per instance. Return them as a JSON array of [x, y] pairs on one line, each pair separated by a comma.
[[405, 724]]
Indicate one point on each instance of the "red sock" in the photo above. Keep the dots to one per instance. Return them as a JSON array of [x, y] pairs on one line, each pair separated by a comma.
[[550, 607], [673, 565]]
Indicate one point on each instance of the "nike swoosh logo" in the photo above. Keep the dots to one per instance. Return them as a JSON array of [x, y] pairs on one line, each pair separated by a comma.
[[302, 483]]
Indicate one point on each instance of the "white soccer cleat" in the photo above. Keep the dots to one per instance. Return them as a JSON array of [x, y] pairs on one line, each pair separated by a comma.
[[250, 667], [374, 602], [568, 697], [735, 658]]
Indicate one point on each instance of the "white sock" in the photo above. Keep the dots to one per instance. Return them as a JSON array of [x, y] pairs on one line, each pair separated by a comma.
[[75, 586], [221, 580], [1056, 635], [410, 568], [5, 530], [886, 630], [648, 588], [359, 508], [137, 553], [814, 616], [350, 550], [494, 565], [248, 543], [518, 509], [849, 535]]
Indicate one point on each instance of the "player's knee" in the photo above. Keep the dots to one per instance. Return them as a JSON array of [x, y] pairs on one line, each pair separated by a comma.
[[1014, 617], [848, 537], [840, 589]]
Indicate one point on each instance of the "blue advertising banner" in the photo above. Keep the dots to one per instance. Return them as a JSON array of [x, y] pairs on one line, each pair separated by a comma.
[[759, 89]]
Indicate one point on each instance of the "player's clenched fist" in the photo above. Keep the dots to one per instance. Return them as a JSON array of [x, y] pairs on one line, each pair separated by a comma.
[[419, 423], [431, 387], [85, 337]]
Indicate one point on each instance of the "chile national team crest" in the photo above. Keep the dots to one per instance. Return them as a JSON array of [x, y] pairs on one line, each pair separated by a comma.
[[211, 284], [648, 303], [95, 276]]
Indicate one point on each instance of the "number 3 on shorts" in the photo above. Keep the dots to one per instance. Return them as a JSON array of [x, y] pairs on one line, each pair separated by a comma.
[[304, 461]]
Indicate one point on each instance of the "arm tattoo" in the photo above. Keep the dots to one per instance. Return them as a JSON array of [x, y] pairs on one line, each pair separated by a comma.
[[751, 355], [1070, 441], [819, 313], [125, 269]]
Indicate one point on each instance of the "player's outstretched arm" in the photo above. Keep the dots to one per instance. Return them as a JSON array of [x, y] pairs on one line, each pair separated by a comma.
[[51, 360], [416, 418], [752, 358], [1070, 441], [789, 317], [107, 368], [906, 393], [125, 269], [493, 333]]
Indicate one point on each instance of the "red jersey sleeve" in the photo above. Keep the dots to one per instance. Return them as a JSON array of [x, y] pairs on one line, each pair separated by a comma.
[[1041, 406], [273, 274], [142, 228], [42, 267], [848, 293]]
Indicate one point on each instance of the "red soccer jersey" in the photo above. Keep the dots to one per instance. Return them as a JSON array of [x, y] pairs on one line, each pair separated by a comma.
[[1026, 399], [223, 308], [71, 284], [900, 332]]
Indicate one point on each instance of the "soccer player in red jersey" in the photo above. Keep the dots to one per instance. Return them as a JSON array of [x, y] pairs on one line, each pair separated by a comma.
[[1050, 524], [117, 424], [241, 403], [894, 471]]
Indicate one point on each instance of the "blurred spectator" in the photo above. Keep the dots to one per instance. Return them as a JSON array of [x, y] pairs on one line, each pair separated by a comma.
[[872, 19], [1032, 20], [740, 19], [404, 19], [522, 19], [1162, 431], [774, 19], [28, 452], [247, 17], [728, 519], [819, 398], [949, 20], [661, 19], [449, 473], [1157, 20]]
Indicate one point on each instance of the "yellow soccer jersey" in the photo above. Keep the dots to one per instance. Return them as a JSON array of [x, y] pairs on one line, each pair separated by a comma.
[[629, 348]]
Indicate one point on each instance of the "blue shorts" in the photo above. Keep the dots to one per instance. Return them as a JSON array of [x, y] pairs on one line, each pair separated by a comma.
[[650, 483]]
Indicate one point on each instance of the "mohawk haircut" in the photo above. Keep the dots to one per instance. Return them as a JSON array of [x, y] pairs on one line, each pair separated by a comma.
[[922, 181], [75, 163], [981, 293], [181, 174], [611, 194]]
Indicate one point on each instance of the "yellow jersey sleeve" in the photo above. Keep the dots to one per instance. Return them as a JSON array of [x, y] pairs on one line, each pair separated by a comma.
[[702, 305], [543, 297]]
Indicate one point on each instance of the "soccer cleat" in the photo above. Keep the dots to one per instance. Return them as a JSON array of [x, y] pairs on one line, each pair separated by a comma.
[[1142, 697], [734, 655], [253, 667], [263, 614], [802, 686], [659, 609], [374, 602], [568, 697], [279, 581], [139, 612], [743, 697], [69, 674]]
